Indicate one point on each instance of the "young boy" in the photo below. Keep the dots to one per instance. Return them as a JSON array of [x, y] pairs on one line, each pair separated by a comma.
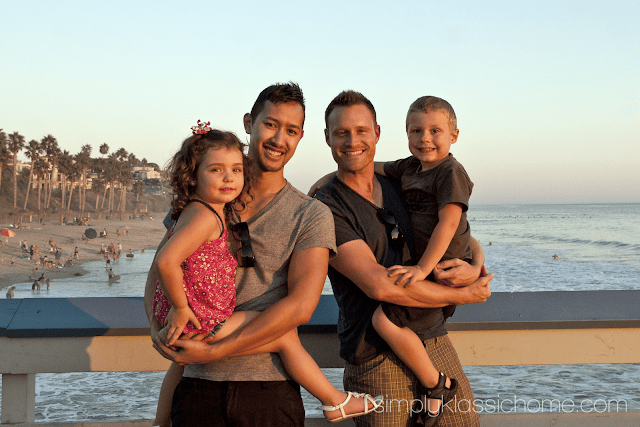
[[437, 190]]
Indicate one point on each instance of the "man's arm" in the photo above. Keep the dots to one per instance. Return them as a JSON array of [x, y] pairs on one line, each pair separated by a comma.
[[149, 290], [320, 183], [356, 261], [307, 273]]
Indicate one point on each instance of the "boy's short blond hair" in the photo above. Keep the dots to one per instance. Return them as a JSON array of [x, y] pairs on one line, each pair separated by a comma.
[[424, 104]]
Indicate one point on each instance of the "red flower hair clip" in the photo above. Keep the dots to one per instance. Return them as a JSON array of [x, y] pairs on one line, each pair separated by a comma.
[[202, 128]]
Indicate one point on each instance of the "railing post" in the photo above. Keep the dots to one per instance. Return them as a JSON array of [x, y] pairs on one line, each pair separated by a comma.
[[18, 398]]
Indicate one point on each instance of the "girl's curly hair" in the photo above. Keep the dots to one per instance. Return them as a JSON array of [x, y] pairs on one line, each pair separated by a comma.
[[183, 168]]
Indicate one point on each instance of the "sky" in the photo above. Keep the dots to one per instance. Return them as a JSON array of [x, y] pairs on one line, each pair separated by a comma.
[[547, 93]]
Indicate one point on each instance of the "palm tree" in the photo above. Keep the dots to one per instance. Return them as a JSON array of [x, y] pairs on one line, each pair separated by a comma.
[[97, 186], [124, 177], [53, 176], [138, 189], [65, 162], [16, 143], [4, 153], [33, 151], [40, 169], [104, 149], [83, 160], [73, 173], [111, 176], [52, 150]]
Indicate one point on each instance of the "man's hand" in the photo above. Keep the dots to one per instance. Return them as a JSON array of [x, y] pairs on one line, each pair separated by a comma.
[[193, 352], [158, 339], [456, 273], [478, 291], [408, 274]]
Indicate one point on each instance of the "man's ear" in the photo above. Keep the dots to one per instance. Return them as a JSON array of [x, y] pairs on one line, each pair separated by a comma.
[[326, 137], [377, 133], [247, 123]]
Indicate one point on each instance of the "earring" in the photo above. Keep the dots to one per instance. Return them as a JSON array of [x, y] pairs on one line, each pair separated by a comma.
[[192, 183]]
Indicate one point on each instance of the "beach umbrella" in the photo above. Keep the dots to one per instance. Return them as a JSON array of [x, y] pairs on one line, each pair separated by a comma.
[[62, 254], [7, 233], [91, 233]]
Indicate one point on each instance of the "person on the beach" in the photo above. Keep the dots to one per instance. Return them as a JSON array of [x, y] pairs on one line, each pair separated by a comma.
[[75, 253], [292, 236], [111, 274], [373, 232]]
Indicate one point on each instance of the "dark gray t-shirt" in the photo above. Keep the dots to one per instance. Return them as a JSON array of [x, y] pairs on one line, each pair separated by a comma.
[[356, 218], [426, 192]]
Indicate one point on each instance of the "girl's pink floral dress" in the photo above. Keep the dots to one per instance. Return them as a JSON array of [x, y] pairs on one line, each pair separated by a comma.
[[209, 283]]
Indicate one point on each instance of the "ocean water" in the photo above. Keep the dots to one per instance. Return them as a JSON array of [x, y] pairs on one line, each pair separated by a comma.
[[598, 247]]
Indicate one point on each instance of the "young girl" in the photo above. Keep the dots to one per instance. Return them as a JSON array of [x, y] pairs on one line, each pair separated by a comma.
[[195, 294]]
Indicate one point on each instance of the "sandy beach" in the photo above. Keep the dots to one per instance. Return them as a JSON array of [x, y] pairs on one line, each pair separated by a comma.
[[15, 267]]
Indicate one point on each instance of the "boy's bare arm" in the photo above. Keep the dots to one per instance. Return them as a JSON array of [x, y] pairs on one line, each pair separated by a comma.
[[455, 272], [378, 168], [448, 221]]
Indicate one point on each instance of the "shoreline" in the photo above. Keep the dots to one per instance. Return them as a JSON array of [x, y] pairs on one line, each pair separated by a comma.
[[16, 268]]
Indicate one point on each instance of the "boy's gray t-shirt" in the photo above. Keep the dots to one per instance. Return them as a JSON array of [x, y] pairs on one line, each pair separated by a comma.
[[292, 221], [426, 192]]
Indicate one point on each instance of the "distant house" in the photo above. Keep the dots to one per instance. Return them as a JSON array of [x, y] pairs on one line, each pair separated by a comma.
[[141, 172], [19, 165]]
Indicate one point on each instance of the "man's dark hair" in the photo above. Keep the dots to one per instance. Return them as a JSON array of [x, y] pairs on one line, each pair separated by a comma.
[[277, 94], [347, 98]]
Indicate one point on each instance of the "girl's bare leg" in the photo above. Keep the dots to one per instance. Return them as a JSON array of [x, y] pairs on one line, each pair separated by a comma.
[[171, 380], [298, 363], [409, 348]]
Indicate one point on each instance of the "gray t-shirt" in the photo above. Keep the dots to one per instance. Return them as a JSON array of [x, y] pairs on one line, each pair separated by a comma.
[[426, 192], [290, 222]]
